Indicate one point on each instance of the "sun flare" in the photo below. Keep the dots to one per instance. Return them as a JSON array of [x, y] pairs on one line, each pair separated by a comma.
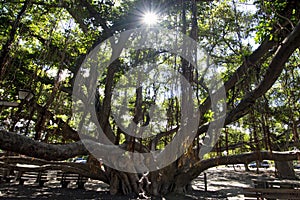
[[150, 18]]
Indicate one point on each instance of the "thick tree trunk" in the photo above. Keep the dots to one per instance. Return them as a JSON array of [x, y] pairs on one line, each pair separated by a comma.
[[285, 169]]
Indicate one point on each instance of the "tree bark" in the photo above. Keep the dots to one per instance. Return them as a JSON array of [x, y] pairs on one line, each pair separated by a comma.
[[10, 141], [285, 169]]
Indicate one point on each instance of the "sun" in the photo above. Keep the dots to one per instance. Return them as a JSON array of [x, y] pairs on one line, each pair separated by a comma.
[[150, 18]]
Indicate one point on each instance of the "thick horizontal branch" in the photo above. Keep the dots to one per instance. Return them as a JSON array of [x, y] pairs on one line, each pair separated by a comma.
[[246, 158], [35, 161], [20, 144]]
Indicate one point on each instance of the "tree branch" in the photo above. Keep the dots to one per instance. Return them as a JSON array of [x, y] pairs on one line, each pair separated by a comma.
[[7, 46], [284, 51], [246, 158], [21, 144]]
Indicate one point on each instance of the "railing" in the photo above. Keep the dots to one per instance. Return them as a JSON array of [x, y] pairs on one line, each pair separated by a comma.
[[273, 189]]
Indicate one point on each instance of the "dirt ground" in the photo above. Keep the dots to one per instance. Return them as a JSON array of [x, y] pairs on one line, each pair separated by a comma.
[[223, 182]]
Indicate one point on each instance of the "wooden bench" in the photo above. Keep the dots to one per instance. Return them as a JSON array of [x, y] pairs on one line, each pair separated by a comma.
[[276, 183], [42, 178], [273, 189], [271, 193], [6, 174], [38, 177], [66, 177], [26, 176]]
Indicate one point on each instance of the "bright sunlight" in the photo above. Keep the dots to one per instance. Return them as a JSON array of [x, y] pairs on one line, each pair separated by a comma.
[[150, 18]]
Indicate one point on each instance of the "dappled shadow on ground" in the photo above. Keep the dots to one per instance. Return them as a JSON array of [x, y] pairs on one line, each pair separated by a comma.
[[228, 182], [54, 191], [223, 183], [15, 191], [195, 194]]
